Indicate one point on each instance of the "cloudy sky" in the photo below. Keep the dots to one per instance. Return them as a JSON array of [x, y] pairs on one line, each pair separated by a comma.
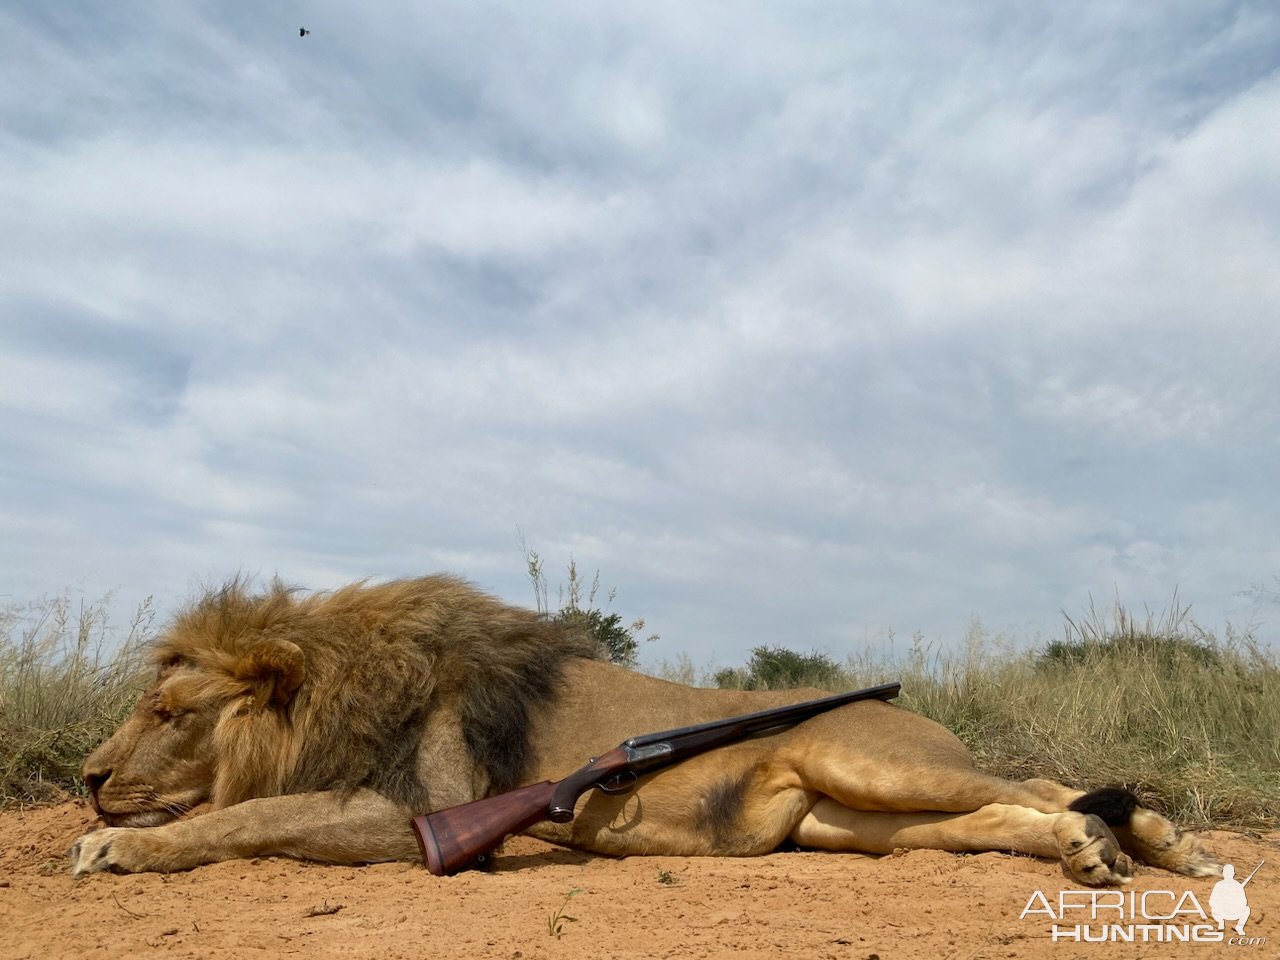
[[800, 322]]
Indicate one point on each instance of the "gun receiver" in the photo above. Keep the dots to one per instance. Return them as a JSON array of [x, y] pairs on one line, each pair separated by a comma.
[[453, 838]]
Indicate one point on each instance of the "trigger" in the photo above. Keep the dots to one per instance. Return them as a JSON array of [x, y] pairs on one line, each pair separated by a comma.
[[619, 783]]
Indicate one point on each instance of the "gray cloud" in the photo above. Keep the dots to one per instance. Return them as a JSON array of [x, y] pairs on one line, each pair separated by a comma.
[[801, 324]]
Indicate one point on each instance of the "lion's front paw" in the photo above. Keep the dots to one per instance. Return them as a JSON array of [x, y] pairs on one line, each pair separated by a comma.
[[92, 852], [1090, 851], [120, 849]]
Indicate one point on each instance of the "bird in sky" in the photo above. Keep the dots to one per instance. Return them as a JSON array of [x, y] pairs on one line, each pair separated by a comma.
[[303, 31]]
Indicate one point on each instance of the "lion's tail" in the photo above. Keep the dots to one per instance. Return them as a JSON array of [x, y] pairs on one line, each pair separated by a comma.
[[1113, 805]]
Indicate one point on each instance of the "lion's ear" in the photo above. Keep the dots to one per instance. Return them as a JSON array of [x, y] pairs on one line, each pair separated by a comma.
[[275, 669]]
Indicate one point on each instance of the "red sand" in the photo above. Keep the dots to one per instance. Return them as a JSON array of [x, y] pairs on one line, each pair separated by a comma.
[[921, 904]]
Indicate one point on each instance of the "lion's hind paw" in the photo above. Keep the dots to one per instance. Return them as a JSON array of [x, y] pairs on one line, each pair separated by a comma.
[[1091, 853]]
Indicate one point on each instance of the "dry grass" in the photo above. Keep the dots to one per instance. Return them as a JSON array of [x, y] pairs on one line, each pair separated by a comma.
[[1188, 721], [66, 680]]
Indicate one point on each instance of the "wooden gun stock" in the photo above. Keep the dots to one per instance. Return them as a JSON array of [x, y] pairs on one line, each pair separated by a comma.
[[456, 837]]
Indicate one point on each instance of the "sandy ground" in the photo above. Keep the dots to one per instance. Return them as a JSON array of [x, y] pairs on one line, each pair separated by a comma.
[[921, 904]]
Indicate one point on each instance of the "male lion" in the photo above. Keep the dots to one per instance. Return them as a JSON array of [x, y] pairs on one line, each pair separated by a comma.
[[315, 727]]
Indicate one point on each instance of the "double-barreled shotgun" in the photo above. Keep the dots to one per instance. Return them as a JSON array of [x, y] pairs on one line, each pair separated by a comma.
[[457, 837]]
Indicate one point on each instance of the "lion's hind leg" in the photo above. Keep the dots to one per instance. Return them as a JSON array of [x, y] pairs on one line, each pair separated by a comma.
[[946, 784], [1088, 850]]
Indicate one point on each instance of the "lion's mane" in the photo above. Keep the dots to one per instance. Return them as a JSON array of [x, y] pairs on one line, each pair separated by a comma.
[[360, 673]]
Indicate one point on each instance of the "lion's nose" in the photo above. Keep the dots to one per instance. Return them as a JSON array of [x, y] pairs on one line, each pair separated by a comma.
[[94, 780]]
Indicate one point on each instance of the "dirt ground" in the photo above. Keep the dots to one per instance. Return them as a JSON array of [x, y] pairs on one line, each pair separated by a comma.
[[543, 902]]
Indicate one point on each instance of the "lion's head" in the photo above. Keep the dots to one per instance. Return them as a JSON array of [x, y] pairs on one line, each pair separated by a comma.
[[265, 694]]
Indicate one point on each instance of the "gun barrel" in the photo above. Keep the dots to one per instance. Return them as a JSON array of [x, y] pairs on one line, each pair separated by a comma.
[[775, 717], [653, 751]]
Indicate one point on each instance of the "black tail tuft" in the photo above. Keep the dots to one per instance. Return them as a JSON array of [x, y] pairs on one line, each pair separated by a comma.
[[1115, 805]]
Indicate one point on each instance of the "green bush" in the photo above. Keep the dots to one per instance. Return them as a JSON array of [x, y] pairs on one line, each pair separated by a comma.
[[777, 668], [1169, 642], [616, 641]]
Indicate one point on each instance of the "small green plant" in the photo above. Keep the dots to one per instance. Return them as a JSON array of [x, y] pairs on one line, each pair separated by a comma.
[[557, 919], [618, 642], [667, 878]]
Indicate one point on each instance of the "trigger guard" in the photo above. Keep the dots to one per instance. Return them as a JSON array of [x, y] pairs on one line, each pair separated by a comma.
[[620, 783]]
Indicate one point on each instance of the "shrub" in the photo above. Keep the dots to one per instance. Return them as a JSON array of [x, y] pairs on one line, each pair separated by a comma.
[[777, 668], [1166, 642], [616, 641]]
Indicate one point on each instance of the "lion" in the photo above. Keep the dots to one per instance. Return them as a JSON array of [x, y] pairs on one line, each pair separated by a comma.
[[315, 726]]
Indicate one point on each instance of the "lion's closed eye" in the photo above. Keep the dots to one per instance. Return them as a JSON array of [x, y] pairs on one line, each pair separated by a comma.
[[164, 711]]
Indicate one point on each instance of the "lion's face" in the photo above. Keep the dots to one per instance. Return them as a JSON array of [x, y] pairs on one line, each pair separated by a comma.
[[212, 731], [160, 763]]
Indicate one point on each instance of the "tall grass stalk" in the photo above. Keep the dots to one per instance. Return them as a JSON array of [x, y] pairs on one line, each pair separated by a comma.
[[65, 683]]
